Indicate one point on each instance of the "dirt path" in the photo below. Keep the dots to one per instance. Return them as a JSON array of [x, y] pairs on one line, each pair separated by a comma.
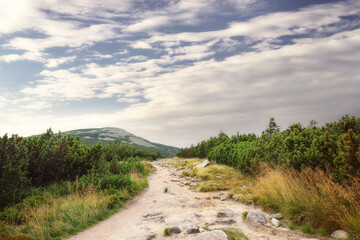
[[154, 210]]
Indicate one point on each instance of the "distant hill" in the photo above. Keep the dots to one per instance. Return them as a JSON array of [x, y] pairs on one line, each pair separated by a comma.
[[106, 135]]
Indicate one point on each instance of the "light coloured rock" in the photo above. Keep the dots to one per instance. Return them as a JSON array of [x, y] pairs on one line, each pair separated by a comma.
[[193, 185], [225, 213], [256, 217], [225, 220], [340, 234], [178, 220], [203, 164], [212, 235], [275, 222], [277, 216], [193, 205]]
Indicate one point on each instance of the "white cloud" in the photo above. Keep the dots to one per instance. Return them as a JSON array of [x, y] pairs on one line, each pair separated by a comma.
[[55, 62], [141, 44]]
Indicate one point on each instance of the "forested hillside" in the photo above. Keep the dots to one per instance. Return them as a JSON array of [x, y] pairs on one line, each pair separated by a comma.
[[53, 185]]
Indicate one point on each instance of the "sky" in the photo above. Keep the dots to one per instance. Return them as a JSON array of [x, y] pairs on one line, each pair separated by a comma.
[[177, 71]]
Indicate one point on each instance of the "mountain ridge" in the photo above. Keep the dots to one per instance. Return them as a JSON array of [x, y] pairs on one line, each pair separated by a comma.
[[105, 135]]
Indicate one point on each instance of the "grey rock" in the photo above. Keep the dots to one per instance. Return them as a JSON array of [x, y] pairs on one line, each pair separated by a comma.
[[202, 202], [256, 217], [277, 216], [216, 197], [151, 236], [176, 180], [225, 220], [193, 184], [223, 198], [203, 164], [275, 222], [192, 230], [180, 161], [212, 235], [193, 205], [208, 198], [175, 230], [340, 234], [225, 213]]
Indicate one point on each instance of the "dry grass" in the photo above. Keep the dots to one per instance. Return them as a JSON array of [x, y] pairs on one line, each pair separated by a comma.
[[214, 177], [311, 197], [58, 215]]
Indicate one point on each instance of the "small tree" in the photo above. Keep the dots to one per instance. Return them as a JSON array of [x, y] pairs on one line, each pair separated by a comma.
[[272, 128]]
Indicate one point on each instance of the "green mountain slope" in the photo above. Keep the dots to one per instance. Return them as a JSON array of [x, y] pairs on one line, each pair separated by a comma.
[[106, 135]]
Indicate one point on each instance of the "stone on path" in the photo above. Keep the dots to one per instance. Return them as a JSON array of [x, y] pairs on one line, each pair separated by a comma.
[[193, 205], [275, 222], [340, 234], [256, 217], [151, 236], [175, 230], [203, 164], [225, 213], [212, 235]]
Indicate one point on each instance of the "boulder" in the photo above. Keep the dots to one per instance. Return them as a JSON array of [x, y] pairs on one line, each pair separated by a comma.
[[203, 164], [225, 213], [275, 222], [212, 235], [340, 234], [256, 217]]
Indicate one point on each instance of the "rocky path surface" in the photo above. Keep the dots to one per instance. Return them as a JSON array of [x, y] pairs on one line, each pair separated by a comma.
[[147, 215]]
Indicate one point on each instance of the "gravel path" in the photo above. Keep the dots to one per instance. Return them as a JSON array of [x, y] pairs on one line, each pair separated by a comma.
[[153, 210]]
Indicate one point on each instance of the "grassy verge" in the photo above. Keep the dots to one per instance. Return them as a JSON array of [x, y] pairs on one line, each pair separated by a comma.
[[312, 201], [216, 177], [53, 216]]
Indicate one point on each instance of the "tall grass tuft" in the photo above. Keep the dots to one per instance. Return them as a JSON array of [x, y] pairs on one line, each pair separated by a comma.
[[311, 197]]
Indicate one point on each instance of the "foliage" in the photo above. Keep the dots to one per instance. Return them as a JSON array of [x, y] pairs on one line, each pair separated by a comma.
[[36, 162], [334, 148]]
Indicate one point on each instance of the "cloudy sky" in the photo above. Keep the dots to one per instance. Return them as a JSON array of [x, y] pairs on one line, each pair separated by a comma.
[[177, 71]]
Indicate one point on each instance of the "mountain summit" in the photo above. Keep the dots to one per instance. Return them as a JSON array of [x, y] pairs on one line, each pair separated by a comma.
[[106, 135]]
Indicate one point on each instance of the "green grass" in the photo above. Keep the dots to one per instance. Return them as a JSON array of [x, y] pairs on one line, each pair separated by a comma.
[[244, 215], [166, 190], [167, 232], [50, 216], [235, 234]]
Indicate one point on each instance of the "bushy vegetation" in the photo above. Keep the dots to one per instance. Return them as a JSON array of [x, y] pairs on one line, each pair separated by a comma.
[[53, 181], [334, 148], [310, 174]]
